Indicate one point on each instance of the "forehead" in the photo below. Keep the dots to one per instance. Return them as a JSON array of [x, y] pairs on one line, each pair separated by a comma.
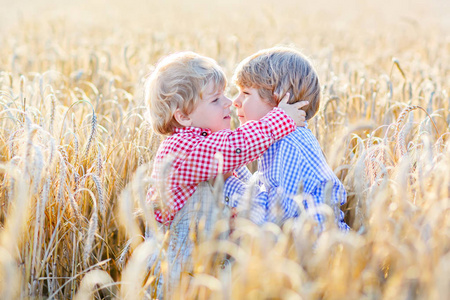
[[242, 87], [212, 89]]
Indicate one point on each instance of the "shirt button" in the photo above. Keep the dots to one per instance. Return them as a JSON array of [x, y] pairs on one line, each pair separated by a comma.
[[227, 199], [204, 133], [238, 150]]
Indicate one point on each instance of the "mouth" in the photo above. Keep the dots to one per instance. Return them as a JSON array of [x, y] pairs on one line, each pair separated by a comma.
[[227, 117]]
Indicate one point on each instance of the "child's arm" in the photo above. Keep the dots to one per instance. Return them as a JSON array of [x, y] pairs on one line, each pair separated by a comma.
[[243, 174], [254, 202], [238, 147]]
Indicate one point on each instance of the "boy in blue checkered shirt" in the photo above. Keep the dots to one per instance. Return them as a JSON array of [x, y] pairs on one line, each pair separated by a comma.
[[294, 163]]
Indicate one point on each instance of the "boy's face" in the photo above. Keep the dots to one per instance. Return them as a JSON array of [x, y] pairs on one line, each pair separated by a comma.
[[212, 111], [250, 106]]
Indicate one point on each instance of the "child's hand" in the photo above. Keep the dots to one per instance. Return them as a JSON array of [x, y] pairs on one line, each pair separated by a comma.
[[227, 175], [294, 110]]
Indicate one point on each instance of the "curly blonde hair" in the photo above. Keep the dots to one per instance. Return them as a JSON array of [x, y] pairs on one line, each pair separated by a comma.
[[278, 70], [178, 82]]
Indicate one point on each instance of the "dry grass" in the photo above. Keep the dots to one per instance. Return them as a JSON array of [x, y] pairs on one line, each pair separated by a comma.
[[76, 151]]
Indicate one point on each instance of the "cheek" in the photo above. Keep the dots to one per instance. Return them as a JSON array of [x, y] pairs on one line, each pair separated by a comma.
[[259, 110], [247, 107], [250, 112]]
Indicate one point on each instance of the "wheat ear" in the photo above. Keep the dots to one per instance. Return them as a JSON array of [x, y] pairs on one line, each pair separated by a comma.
[[92, 134], [400, 134]]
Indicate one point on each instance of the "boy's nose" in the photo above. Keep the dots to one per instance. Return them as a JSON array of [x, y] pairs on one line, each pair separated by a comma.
[[227, 102], [237, 102]]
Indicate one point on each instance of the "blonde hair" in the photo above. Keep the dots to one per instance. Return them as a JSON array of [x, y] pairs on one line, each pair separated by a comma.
[[279, 70], [178, 82]]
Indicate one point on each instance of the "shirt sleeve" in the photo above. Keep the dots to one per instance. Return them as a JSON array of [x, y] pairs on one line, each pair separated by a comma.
[[237, 148], [238, 194], [243, 174]]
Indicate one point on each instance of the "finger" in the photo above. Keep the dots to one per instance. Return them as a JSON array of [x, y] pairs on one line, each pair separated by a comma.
[[276, 96], [285, 98], [302, 104], [302, 113]]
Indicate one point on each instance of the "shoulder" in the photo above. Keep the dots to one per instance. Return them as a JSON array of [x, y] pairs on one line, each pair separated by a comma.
[[304, 134], [294, 140], [179, 138], [288, 148], [179, 142]]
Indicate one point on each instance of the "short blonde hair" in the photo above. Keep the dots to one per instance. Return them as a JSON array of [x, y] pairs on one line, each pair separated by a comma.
[[178, 82], [279, 70]]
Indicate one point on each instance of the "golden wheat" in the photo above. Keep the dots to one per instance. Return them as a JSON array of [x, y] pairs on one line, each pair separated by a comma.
[[76, 152]]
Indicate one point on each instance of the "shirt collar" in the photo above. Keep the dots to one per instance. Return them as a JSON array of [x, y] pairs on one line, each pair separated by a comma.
[[194, 130]]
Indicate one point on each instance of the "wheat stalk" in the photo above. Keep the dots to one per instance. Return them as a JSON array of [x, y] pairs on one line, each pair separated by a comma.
[[395, 170], [400, 133]]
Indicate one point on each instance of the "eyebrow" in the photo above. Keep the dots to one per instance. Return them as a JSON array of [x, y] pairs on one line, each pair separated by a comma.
[[216, 94]]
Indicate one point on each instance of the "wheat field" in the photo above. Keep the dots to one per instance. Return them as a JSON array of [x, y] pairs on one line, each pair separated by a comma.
[[76, 149]]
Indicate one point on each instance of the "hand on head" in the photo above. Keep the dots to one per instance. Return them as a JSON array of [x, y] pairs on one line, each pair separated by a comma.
[[294, 110]]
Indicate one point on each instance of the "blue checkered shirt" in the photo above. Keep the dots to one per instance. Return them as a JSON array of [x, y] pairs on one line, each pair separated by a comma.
[[292, 163]]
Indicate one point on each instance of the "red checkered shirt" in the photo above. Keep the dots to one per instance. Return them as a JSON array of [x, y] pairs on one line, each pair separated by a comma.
[[187, 158]]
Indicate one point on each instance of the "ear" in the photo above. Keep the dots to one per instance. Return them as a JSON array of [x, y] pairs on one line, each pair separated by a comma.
[[182, 118]]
